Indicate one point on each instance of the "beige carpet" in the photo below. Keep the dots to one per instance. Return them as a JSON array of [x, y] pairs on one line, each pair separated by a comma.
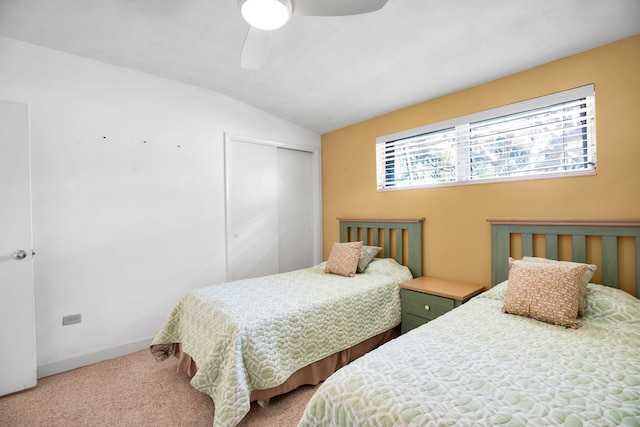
[[133, 390]]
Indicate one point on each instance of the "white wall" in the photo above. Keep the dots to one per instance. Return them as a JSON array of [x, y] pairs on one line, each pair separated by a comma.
[[128, 195]]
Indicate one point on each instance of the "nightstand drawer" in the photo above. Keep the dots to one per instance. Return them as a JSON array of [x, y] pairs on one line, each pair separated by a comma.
[[410, 322], [425, 305]]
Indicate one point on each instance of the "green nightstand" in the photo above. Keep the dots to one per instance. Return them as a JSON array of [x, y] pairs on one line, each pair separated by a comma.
[[425, 298]]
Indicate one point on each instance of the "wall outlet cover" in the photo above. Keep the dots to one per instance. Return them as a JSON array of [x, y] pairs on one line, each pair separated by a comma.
[[71, 319]]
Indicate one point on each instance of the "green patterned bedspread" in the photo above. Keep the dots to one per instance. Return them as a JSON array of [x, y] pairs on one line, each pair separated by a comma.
[[476, 366], [253, 334]]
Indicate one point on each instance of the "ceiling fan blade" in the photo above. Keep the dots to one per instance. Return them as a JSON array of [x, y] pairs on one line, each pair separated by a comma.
[[336, 7], [255, 49]]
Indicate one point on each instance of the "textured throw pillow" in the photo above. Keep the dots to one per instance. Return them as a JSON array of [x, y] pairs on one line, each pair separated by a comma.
[[343, 259], [547, 292], [586, 277], [366, 255]]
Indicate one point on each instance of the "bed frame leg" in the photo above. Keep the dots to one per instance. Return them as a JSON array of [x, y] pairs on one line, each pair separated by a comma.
[[264, 403]]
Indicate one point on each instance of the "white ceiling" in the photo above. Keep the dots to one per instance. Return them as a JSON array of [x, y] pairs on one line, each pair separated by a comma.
[[324, 73]]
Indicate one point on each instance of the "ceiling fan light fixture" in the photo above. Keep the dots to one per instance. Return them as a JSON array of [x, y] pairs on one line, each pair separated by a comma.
[[266, 14]]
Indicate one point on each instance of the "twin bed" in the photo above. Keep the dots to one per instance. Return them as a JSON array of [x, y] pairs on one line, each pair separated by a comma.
[[257, 338], [476, 365]]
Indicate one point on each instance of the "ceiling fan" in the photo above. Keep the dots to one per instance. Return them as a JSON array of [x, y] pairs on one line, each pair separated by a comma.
[[263, 16]]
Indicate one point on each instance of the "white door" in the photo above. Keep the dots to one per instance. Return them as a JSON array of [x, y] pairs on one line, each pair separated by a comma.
[[295, 209], [18, 365]]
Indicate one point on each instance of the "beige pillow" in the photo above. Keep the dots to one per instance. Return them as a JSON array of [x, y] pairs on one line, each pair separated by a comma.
[[343, 259], [584, 281], [547, 292], [366, 255]]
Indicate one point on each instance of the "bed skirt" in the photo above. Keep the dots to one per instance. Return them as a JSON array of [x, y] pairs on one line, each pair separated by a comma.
[[311, 374]]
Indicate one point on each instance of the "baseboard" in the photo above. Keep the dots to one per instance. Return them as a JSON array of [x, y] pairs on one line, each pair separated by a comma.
[[91, 358]]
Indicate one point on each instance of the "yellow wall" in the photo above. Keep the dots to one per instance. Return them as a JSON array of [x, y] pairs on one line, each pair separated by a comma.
[[457, 236]]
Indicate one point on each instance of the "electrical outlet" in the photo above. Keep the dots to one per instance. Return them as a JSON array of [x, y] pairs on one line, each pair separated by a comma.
[[71, 319]]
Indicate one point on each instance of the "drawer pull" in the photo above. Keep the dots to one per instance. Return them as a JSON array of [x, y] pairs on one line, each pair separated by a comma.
[[426, 307]]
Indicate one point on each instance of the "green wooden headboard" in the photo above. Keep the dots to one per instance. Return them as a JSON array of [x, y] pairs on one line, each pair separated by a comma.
[[583, 234], [400, 239]]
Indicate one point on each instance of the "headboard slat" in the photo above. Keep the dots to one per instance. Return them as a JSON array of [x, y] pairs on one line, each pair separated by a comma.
[[374, 237], [579, 248], [551, 246], [610, 261], [527, 244], [399, 246], [386, 244]]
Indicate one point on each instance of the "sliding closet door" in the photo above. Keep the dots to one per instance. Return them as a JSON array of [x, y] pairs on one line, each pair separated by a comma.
[[295, 209], [269, 208], [252, 211]]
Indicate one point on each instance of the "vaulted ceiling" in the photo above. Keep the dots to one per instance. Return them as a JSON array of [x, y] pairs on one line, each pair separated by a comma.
[[324, 73]]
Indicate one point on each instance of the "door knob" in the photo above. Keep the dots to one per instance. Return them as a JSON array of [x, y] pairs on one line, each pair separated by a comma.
[[19, 254]]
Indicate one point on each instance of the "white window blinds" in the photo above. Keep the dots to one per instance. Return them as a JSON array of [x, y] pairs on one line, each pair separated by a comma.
[[548, 136]]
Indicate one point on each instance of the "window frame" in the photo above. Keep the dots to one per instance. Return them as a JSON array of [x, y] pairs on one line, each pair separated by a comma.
[[458, 123]]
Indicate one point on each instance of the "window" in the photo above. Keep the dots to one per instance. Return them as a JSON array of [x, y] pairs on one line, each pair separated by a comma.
[[544, 137]]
